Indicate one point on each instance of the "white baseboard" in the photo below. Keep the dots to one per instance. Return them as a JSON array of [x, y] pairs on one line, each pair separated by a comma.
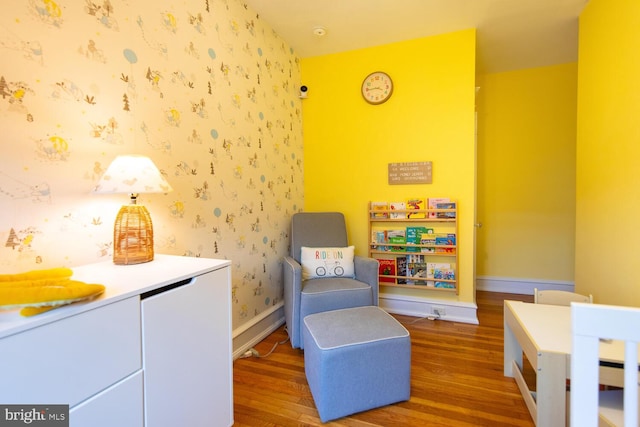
[[520, 286], [257, 329], [455, 311]]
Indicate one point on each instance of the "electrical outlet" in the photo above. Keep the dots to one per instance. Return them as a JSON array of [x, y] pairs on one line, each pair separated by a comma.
[[438, 311]]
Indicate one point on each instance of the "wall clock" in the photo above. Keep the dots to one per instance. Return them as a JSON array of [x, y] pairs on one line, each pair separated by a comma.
[[377, 88]]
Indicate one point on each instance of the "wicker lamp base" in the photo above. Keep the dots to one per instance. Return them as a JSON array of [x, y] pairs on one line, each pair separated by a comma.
[[132, 236]]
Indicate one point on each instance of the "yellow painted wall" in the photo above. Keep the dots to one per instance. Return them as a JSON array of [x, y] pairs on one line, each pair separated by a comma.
[[526, 173], [430, 117], [608, 172]]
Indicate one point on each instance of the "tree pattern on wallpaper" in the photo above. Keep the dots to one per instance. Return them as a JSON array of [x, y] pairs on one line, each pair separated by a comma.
[[205, 88]]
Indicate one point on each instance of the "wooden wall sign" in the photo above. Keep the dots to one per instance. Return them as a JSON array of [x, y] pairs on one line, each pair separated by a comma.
[[410, 173]]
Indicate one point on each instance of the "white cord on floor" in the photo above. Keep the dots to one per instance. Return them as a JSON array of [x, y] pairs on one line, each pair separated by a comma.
[[272, 348], [252, 352]]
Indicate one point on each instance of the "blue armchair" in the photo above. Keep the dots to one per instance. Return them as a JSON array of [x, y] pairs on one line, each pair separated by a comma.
[[303, 297]]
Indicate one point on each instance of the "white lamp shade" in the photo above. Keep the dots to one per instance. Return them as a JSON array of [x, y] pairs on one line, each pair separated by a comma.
[[132, 174]]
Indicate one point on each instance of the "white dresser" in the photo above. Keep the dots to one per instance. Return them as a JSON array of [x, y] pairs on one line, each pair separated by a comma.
[[154, 350]]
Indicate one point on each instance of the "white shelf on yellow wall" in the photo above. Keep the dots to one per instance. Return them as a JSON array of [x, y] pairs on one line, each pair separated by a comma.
[[380, 219]]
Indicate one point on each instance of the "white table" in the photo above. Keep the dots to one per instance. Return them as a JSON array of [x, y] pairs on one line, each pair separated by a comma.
[[543, 333]]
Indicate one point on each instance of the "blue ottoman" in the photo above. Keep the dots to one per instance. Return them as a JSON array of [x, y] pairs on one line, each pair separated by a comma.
[[356, 359]]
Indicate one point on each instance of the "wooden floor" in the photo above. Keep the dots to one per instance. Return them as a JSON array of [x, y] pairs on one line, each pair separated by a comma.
[[456, 379]]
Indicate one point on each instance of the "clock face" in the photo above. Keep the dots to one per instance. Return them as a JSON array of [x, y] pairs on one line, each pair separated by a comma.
[[377, 87]]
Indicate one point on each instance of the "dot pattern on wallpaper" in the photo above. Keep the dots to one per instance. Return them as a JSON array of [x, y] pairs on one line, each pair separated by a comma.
[[203, 87]]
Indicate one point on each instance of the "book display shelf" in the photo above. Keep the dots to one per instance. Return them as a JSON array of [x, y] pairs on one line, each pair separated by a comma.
[[415, 242]]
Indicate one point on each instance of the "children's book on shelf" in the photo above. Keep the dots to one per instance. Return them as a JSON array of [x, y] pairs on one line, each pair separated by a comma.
[[431, 270], [441, 272], [448, 239], [378, 240], [428, 238], [379, 210], [414, 236], [444, 274], [416, 268], [397, 237], [446, 205], [444, 251], [387, 268], [445, 285], [416, 204], [433, 204], [443, 241], [394, 207], [401, 269]]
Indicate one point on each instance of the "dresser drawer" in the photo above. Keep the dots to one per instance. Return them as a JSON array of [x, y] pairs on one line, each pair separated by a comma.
[[118, 406], [68, 360]]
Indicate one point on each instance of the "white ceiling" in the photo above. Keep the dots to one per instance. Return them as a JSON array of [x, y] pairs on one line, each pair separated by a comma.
[[511, 34]]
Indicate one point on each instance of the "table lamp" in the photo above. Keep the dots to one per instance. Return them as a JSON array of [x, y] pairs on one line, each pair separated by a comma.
[[133, 230]]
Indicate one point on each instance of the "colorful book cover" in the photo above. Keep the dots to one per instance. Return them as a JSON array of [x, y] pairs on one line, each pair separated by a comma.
[[417, 269], [449, 205], [445, 285], [444, 274], [441, 272], [378, 238], [394, 207], [379, 210], [433, 204], [397, 237], [428, 238], [414, 235], [416, 204], [448, 239], [447, 251], [432, 267], [401, 269], [413, 267], [443, 240], [387, 268]]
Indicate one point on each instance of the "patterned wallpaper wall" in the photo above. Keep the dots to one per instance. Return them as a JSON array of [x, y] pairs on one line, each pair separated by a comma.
[[203, 87]]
